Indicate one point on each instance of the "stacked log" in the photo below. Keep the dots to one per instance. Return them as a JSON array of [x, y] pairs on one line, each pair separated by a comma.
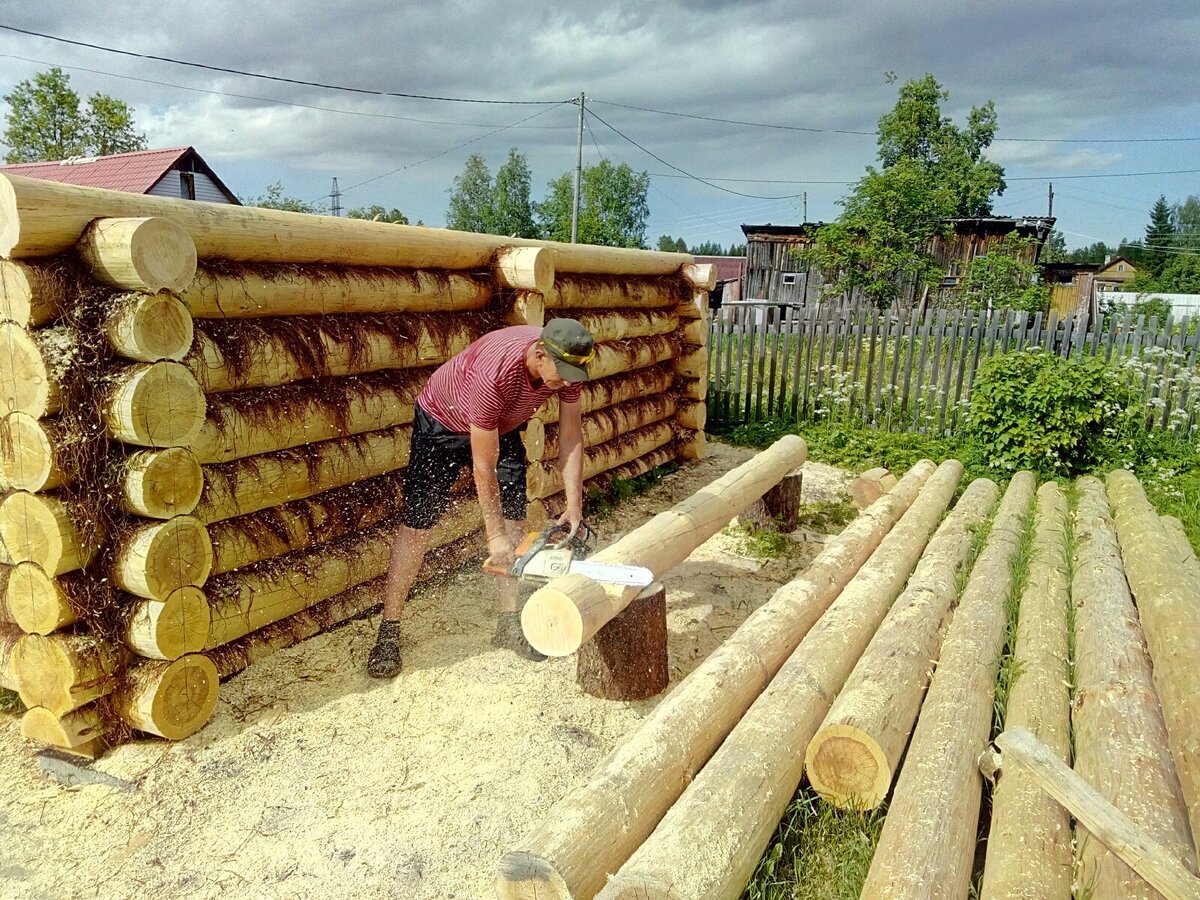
[[205, 415]]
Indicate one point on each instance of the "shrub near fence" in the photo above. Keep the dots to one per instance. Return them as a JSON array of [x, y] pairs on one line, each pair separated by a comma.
[[910, 372]]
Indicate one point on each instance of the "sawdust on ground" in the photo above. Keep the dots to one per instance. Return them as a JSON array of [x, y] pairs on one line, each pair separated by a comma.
[[312, 779]]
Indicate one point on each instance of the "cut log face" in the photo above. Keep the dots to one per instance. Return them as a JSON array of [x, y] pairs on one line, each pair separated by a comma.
[[171, 628], [692, 362], [692, 414], [77, 728], [627, 659], [33, 453], [43, 529], [139, 254], [161, 484], [149, 327], [526, 308], [172, 700], [30, 294], [701, 276], [154, 560], [63, 671], [155, 405], [32, 366], [526, 268], [38, 603]]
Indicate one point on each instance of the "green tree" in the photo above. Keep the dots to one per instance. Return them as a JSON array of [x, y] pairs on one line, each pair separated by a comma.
[[612, 206], [377, 213], [1160, 236], [1055, 248], [1187, 223], [275, 198], [708, 248], [950, 156], [1092, 253], [737, 249], [512, 208], [1002, 279], [472, 198], [668, 244], [46, 122]]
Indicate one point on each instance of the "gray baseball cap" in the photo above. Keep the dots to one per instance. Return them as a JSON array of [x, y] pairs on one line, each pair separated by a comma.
[[571, 346]]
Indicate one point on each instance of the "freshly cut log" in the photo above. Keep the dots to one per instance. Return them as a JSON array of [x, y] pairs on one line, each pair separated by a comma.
[[557, 626], [691, 414], [779, 508], [622, 324], [533, 436], [250, 354], [526, 308], [627, 659], [854, 756], [591, 831], [71, 731], [694, 331], [64, 670], [171, 699], [220, 293], [246, 486], [614, 421], [1029, 839], [43, 218], [139, 254], [692, 444], [601, 393], [1166, 594], [701, 276], [149, 327], [155, 559], [40, 604], [154, 405], [161, 484], [735, 802], [693, 388], [939, 788], [543, 480], [634, 353], [692, 362], [171, 628], [33, 366], [248, 423], [272, 532], [1178, 535], [31, 293], [614, 293], [242, 602], [525, 269], [36, 454], [8, 640], [42, 528], [1120, 737], [1150, 859], [696, 307]]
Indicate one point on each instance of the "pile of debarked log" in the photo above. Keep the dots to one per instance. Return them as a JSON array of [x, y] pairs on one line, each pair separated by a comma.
[[205, 415], [1064, 622]]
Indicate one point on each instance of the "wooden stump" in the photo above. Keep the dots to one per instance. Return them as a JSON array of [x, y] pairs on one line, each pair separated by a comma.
[[779, 508], [627, 659]]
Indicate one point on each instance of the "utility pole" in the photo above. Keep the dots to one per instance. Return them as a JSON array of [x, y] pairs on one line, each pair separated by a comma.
[[1050, 200], [578, 176], [335, 199], [805, 219]]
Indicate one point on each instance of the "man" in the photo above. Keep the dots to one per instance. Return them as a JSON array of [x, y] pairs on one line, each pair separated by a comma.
[[468, 414]]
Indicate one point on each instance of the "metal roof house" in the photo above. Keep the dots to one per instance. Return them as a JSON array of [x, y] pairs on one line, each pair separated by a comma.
[[178, 172]]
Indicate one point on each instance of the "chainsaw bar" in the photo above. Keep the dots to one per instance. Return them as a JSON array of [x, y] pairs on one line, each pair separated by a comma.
[[611, 573]]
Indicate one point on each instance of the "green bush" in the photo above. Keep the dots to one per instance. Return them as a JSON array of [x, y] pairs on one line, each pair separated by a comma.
[[1033, 410]]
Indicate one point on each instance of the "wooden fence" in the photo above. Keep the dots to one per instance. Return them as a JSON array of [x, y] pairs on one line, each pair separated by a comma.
[[910, 372]]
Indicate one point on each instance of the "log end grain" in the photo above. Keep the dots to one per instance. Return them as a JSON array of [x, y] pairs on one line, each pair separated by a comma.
[[157, 559], [37, 602], [76, 729], [160, 484], [163, 254], [526, 268], [693, 445], [26, 384], [847, 767], [527, 876], [172, 700], [553, 619], [171, 628], [62, 672], [158, 405], [38, 528], [27, 460], [150, 327]]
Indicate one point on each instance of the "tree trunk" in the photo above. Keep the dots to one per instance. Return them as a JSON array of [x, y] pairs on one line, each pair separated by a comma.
[[928, 842], [43, 529], [155, 559], [545, 479], [154, 405], [627, 659], [734, 804], [246, 486], [144, 254], [779, 508], [614, 421], [64, 670], [268, 419], [1166, 601], [617, 292], [1120, 737], [32, 368], [170, 628], [601, 393], [31, 293], [252, 355], [161, 484], [557, 626], [591, 831], [171, 699], [852, 760], [40, 604], [286, 291], [44, 218], [149, 327], [634, 353]]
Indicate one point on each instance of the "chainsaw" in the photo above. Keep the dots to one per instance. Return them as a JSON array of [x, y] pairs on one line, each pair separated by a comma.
[[543, 555]]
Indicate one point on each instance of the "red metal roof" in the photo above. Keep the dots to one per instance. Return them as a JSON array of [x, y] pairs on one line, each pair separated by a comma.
[[729, 268], [135, 172]]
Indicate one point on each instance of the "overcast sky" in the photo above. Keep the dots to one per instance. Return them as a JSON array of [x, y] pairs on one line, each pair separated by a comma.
[[1063, 75]]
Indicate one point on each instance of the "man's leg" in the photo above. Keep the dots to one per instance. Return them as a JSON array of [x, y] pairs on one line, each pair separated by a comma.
[[510, 473]]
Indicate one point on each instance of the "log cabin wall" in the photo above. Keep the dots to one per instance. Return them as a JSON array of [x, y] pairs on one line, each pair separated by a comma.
[[206, 415]]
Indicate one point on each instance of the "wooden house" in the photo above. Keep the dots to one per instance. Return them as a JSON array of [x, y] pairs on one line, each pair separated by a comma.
[[1076, 286]]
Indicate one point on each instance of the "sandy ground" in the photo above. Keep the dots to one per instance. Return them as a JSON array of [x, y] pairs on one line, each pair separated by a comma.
[[314, 780]]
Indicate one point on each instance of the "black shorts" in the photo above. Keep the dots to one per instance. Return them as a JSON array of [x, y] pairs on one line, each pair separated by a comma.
[[436, 458]]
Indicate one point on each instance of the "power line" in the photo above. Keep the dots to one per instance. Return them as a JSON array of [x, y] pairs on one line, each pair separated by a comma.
[[708, 179], [278, 78]]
